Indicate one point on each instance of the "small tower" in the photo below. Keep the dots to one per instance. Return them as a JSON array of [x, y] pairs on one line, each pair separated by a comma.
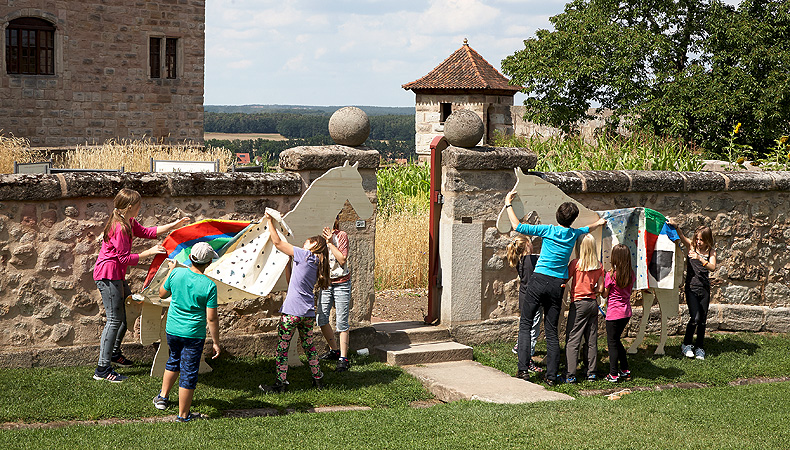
[[465, 80]]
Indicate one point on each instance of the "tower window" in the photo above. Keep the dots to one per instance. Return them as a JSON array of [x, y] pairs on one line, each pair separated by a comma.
[[30, 47]]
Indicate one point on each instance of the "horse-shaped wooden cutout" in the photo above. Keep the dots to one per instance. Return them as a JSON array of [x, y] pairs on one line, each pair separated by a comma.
[[541, 197], [319, 205]]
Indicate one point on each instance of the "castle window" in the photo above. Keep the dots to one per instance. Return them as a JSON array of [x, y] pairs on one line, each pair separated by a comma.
[[167, 65], [445, 109], [30, 47]]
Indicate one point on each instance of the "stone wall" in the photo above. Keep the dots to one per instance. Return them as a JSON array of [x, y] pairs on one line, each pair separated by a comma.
[[748, 212], [102, 86], [50, 234]]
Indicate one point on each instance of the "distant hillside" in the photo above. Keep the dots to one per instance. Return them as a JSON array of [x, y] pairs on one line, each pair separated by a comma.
[[302, 109]]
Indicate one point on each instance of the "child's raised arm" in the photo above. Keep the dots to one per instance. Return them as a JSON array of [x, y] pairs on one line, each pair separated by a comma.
[[597, 224], [509, 208], [280, 244], [683, 239]]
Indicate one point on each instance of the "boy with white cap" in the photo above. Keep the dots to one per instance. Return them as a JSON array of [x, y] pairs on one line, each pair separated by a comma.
[[193, 305]]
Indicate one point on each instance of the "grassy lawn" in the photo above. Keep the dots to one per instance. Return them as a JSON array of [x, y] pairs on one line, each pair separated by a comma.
[[730, 356], [722, 416], [70, 393]]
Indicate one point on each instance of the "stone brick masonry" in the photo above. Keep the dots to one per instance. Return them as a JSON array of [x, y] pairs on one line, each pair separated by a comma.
[[102, 86]]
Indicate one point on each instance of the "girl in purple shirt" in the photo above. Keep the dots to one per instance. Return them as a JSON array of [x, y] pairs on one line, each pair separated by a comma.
[[618, 285], [110, 276], [310, 272]]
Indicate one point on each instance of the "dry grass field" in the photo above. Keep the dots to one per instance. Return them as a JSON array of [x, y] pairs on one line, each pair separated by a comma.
[[244, 136], [402, 250]]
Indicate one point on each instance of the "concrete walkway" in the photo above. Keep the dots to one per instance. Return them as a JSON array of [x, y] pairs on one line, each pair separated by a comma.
[[470, 380]]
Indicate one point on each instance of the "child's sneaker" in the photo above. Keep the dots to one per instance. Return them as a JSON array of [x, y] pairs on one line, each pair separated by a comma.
[[331, 355], [534, 368], [161, 402], [625, 375], [699, 353], [570, 379], [515, 349], [611, 378], [278, 386], [343, 364], [121, 361], [592, 377], [687, 351], [189, 417], [111, 376]]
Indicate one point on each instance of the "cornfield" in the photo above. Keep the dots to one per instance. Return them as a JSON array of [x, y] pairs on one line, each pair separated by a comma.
[[402, 227]]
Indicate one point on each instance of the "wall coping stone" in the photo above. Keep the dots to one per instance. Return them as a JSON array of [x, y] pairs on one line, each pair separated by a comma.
[[39, 187], [324, 157], [601, 181], [489, 158]]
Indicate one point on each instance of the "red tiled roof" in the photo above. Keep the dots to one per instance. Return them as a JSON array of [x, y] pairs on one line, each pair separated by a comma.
[[464, 69]]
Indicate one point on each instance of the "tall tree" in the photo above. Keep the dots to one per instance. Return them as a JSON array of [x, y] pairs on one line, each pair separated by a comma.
[[686, 68]]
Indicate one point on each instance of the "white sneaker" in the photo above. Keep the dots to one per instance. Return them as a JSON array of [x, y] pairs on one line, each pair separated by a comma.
[[699, 354], [687, 351]]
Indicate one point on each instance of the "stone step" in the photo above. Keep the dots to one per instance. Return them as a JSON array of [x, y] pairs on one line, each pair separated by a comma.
[[410, 332], [432, 352], [470, 380]]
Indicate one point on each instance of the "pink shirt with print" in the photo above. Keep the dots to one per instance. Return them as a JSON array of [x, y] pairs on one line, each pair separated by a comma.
[[618, 305], [116, 252]]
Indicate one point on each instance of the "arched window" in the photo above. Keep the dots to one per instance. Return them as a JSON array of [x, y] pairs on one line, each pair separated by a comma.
[[30, 47]]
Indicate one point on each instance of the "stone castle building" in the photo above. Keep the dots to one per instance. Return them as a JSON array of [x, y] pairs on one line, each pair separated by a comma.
[[465, 80], [85, 71]]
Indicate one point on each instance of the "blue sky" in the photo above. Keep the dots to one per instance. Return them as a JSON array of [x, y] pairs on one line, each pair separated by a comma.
[[343, 52]]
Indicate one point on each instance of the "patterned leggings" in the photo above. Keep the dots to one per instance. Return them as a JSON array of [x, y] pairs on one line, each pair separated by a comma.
[[285, 330]]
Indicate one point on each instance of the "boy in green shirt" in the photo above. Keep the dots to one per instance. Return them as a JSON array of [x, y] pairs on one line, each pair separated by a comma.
[[192, 306]]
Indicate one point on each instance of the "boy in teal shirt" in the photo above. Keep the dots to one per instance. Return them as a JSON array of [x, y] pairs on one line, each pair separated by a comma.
[[192, 306]]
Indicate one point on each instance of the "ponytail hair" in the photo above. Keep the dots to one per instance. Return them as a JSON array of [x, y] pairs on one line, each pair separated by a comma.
[[517, 248], [321, 250], [621, 265], [125, 199]]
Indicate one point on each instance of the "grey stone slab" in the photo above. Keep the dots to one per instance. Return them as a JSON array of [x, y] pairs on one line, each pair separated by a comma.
[[469, 380], [433, 352], [404, 332], [605, 181], [704, 181], [655, 181], [328, 156], [750, 181], [781, 180], [489, 158], [568, 182], [777, 320]]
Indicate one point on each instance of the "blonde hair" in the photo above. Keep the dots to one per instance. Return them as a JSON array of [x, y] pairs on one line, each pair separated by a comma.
[[321, 250], [517, 248], [588, 254], [706, 236]]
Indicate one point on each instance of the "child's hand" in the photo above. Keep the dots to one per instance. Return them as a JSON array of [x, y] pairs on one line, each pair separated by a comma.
[[181, 222], [327, 233], [671, 222], [155, 250], [216, 351], [509, 198], [171, 264]]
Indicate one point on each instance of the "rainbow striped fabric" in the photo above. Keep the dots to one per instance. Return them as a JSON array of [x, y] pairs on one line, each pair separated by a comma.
[[220, 234]]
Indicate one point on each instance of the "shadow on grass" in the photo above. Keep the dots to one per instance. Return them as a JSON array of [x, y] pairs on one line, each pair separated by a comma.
[[242, 377]]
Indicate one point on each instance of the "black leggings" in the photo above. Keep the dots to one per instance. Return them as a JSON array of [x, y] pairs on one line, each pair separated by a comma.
[[698, 303], [614, 329]]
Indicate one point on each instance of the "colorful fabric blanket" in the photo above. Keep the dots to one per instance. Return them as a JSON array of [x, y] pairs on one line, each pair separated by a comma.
[[650, 239], [220, 234]]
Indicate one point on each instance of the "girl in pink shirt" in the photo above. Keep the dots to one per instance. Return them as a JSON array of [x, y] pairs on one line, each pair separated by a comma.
[[110, 273], [618, 286]]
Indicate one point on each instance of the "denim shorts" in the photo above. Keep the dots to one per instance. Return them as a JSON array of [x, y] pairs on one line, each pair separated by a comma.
[[339, 295], [184, 357]]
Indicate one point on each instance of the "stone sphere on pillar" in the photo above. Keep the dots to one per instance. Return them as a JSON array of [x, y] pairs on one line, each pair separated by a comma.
[[463, 128], [349, 126]]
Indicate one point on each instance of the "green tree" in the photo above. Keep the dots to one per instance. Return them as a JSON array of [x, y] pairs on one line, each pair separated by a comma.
[[683, 68]]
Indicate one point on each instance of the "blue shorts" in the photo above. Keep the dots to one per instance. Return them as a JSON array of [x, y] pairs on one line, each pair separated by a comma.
[[339, 295], [184, 357]]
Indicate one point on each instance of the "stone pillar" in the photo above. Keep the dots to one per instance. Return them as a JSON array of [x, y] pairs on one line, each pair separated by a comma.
[[474, 184], [312, 162]]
